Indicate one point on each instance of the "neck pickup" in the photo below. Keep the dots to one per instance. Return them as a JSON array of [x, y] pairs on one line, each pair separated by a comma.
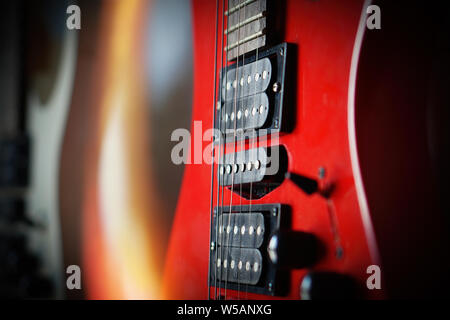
[[252, 94]]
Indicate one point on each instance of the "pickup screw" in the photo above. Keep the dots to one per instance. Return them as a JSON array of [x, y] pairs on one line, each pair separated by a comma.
[[281, 52], [276, 87], [274, 212], [213, 245], [270, 285]]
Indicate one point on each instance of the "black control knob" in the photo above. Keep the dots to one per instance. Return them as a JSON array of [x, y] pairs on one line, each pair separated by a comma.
[[293, 249], [328, 285]]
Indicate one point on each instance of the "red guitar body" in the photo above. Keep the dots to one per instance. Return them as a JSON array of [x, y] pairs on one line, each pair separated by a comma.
[[325, 34]]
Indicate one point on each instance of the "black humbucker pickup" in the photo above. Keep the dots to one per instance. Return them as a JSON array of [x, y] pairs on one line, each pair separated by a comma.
[[253, 172], [244, 230], [239, 238], [252, 112], [247, 80], [253, 93]]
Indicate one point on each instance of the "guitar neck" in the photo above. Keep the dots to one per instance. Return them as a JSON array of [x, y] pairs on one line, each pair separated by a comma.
[[246, 27]]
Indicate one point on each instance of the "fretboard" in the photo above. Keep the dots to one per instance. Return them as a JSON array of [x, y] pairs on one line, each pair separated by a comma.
[[246, 30]]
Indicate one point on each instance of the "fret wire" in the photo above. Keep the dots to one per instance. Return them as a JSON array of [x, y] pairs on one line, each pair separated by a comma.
[[247, 21], [247, 39], [235, 8]]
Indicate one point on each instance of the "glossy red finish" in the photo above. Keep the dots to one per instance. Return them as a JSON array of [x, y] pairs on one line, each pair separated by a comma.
[[324, 32]]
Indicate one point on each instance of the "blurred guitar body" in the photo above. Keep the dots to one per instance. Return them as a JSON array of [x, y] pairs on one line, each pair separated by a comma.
[[108, 200]]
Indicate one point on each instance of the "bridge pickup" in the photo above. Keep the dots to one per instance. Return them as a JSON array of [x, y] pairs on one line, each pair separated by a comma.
[[252, 95], [239, 251], [253, 172]]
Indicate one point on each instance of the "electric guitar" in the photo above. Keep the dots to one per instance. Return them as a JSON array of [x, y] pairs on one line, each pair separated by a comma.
[[290, 208]]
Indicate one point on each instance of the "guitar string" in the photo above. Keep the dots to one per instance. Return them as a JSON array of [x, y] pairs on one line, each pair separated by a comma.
[[212, 151], [233, 163], [256, 148], [220, 160], [221, 226], [242, 148], [224, 84], [220, 190]]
